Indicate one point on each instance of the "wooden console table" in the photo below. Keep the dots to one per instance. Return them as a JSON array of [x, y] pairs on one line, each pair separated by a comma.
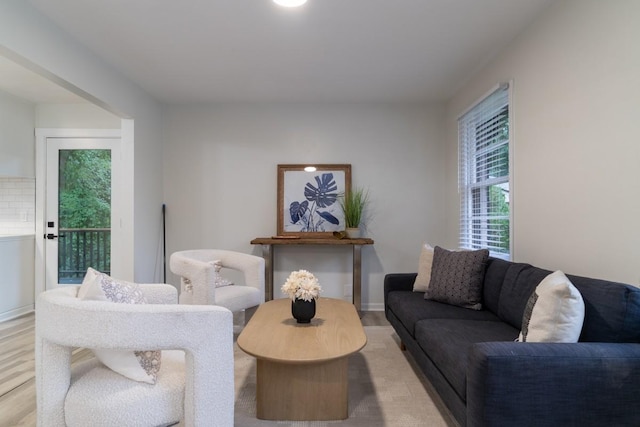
[[267, 252]]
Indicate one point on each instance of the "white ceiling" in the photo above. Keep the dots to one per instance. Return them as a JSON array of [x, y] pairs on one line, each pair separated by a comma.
[[200, 51], [25, 84]]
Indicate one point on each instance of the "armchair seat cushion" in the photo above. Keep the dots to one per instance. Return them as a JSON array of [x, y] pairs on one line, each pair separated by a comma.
[[236, 298], [95, 390]]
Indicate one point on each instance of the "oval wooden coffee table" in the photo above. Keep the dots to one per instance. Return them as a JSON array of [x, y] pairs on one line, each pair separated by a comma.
[[302, 368]]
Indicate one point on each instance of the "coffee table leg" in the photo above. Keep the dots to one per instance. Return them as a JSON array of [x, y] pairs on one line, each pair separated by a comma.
[[296, 392]]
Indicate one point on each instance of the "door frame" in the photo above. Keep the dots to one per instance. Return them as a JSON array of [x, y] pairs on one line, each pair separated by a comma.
[[41, 173]]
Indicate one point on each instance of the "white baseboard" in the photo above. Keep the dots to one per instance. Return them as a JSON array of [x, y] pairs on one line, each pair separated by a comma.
[[12, 314], [375, 306]]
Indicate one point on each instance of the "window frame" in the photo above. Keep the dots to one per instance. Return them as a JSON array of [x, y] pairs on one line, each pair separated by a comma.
[[480, 225]]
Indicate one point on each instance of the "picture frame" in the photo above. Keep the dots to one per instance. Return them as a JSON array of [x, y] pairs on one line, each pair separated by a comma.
[[308, 204]]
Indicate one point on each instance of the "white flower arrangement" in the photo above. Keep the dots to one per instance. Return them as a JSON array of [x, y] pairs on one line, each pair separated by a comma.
[[302, 285]]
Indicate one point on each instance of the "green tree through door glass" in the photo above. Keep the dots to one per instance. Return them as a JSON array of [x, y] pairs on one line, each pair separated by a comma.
[[84, 213]]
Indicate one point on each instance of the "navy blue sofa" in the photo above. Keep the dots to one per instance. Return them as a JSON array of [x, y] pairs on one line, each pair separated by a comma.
[[487, 379]]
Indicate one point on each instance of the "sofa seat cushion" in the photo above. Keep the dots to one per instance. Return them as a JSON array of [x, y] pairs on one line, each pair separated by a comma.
[[447, 343], [411, 307]]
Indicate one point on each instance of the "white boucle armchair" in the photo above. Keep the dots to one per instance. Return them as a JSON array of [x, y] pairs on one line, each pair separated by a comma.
[[195, 381], [197, 279]]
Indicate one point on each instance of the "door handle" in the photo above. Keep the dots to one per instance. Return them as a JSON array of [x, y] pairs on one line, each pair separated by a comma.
[[52, 236]]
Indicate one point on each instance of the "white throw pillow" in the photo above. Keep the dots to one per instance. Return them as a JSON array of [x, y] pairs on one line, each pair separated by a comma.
[[554, 312], [138, 365], [87, 284], [423, 278]]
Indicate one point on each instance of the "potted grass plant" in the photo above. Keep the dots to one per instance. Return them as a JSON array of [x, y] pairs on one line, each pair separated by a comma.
[[353, 204]]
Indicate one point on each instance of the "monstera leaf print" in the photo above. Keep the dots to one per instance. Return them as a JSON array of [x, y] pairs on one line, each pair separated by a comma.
[[297, 210], [332, 219], [325, 194], [315, 214]]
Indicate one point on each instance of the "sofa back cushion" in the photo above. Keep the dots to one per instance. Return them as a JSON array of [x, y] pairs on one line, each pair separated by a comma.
[[519, 283], [495, 272], [612, 310]]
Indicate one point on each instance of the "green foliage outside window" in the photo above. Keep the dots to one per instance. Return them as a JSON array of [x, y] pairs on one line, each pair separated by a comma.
[[84, 211], [85, 188], [500, 227]]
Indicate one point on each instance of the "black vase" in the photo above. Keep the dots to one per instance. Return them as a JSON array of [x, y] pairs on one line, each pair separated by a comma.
[[303, 311]]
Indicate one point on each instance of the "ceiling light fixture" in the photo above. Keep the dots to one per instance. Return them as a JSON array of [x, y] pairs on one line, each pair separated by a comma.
[[290, 3]]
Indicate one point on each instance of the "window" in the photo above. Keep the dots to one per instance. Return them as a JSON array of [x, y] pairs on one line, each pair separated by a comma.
[[483, 137]]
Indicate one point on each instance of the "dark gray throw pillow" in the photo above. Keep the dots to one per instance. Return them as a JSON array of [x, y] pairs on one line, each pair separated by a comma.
[[457, 277]]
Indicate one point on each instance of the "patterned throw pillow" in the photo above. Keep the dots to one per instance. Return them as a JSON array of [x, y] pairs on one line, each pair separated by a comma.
[[457, 277], [138, 365], [424, 269], [218, 280], [554, 311]]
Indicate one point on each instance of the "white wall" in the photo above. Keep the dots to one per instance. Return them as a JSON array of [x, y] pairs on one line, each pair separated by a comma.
[[16, 286], [75, 116], [28, 37], [17, 206], [576, 182], [17, 150], [220, 181]]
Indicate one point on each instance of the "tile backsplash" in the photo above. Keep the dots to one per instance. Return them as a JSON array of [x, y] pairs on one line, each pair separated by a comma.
[[17, 205]]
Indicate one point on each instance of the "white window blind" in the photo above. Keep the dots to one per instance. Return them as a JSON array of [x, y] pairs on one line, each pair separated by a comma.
[[483, 137]]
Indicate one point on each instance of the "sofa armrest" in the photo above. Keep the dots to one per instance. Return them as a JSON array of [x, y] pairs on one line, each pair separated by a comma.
[[553, 384], [398, 282]]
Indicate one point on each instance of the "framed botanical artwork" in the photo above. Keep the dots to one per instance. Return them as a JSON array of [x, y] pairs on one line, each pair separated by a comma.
[[308, 203]]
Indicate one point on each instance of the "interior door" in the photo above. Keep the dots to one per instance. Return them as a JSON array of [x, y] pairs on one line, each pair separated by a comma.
[[79, 212]]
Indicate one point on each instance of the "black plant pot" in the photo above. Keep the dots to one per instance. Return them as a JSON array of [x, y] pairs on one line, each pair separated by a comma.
[[303, 311]]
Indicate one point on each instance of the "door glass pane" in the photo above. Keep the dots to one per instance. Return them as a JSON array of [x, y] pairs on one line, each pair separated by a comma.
[[84, 213]]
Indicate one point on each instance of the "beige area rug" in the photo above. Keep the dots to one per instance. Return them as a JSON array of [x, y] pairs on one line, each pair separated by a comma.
[[385, 389]]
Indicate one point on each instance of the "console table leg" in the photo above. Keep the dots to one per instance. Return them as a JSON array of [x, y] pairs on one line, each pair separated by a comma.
[[357, 277], [267, 254]]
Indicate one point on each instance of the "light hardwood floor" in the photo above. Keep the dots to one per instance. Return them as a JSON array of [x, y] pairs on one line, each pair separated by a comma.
[[17, 371], [17, 367]]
